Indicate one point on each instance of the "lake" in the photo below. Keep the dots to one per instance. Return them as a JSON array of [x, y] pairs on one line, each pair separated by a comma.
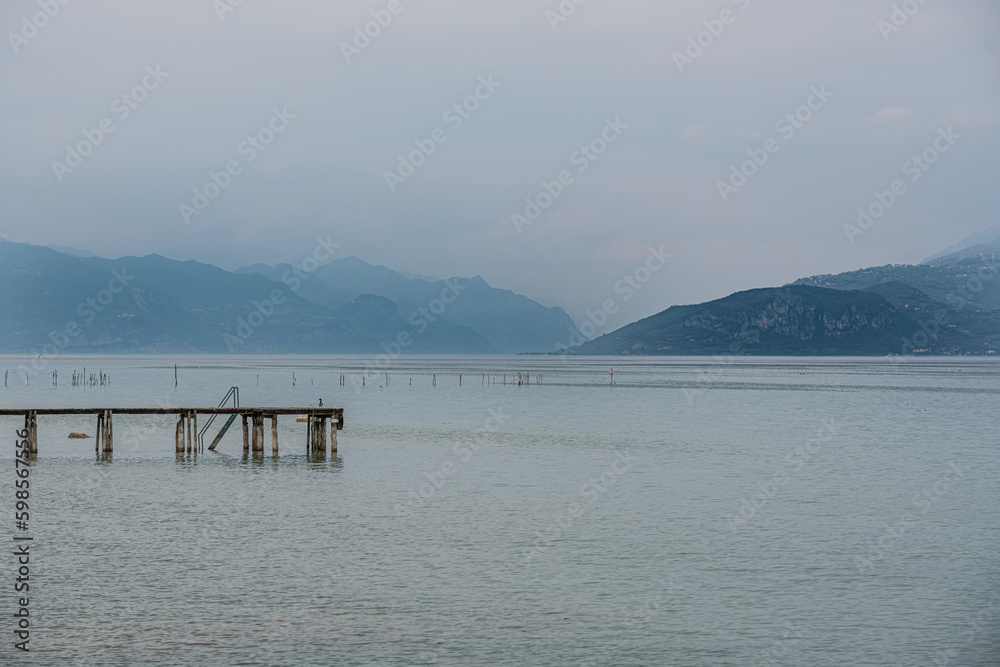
[[750, 511]]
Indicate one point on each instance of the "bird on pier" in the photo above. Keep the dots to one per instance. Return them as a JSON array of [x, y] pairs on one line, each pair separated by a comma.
[[321, 402]]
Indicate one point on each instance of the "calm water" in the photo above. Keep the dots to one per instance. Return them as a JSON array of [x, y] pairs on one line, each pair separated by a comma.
[[699, 512]]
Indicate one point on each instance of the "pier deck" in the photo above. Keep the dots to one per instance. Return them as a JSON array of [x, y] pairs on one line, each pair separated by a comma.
[[187, 437]]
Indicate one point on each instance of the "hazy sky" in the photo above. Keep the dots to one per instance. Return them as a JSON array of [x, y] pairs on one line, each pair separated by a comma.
[[200, 80]]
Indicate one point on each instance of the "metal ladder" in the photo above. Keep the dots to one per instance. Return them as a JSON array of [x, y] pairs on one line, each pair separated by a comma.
[[234, 393]]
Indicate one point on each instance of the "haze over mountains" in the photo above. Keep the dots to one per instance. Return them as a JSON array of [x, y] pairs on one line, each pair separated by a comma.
[[985, 241], [71, 300], [156, 305]]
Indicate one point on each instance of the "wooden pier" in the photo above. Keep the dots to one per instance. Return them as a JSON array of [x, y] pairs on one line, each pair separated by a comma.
[[187, 438]]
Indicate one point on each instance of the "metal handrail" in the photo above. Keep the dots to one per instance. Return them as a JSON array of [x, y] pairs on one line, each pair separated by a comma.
[[234, 392]]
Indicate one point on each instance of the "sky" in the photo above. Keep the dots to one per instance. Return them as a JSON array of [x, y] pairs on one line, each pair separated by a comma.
[[550, 147]]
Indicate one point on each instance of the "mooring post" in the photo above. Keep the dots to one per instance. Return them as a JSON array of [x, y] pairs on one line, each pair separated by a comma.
[[333, 436], [274, 435], [246, 435], [179, 435]]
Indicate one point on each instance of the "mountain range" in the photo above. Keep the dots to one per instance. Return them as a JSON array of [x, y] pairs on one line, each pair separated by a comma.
[[946, 305], [70, 300], [152, 304]]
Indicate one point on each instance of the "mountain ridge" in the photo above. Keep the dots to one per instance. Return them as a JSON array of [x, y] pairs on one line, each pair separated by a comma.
[[951, 306], [161, 305]]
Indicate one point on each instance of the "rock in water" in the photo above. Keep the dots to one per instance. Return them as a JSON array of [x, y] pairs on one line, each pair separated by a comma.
[[78, 436]]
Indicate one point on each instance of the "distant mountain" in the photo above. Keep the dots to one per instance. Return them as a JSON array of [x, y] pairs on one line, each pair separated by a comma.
[[980, 251], [146, 304], [153, 304], [988, 237], [792, 321], [804, 320], [310, 289], [75, 252], [371, 321], [510, 322], [951, 306], [946, 280]]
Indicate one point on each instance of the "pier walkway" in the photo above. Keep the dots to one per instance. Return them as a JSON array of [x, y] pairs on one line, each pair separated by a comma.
[[187, 437]]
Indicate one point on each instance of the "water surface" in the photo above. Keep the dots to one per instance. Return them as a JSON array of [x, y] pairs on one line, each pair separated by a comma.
[[698, 512]]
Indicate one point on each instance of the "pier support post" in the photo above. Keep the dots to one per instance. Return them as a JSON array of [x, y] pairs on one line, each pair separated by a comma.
[[109, 433], [104, 432], [246, 435], [194, 431], [309, 435], [322, 435], [32, 428], [274, 435], [100, 431], [179, 435], [189, 435], [258, 432], [333, 436]]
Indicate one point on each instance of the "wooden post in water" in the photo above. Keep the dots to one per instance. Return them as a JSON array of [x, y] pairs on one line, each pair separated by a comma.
[[179, 435], [258, 432], [189, 438], [317, 435], [246, 435], [333, 437], [109, 433], [100, 430], [104, 432], [309, 423], [322, 435], [33, 433], [274, 435]]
